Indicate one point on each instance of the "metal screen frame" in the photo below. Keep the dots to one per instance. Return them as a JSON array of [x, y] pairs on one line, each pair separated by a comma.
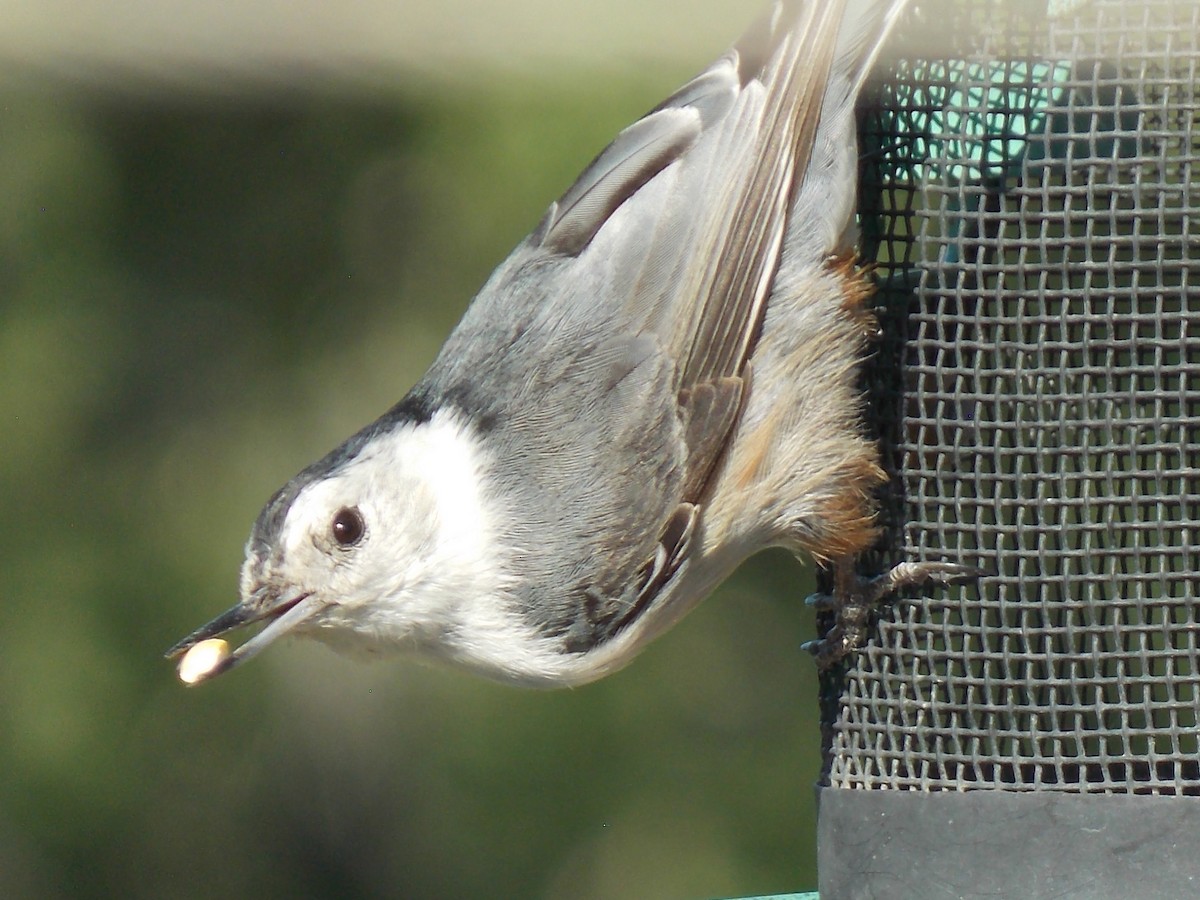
[[1031, 194]]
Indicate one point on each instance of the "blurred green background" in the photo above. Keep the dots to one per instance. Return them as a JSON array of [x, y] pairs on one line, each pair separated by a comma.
[[212, 269]]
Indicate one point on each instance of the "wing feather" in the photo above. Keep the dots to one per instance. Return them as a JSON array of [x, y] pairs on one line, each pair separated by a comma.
[[639, 153]]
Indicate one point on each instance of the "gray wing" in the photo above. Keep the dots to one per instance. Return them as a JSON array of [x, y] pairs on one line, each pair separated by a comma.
[[619, 332], [699, 263]]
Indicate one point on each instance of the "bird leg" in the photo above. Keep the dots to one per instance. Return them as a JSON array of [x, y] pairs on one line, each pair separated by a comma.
[[856, 600]]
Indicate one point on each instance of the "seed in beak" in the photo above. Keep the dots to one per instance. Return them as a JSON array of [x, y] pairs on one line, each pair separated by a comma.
[[203, 660]]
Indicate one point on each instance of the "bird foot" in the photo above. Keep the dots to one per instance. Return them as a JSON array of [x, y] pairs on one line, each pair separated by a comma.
[[855, 600]]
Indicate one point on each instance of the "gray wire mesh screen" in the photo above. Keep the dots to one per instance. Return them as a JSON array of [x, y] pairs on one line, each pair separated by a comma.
[[1032, 194]]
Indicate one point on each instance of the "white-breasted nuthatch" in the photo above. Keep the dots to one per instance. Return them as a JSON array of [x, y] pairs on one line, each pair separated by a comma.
[[657, 383]]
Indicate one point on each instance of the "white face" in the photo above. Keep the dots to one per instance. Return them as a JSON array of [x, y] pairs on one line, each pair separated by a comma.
[[390, 543], [359, 537]]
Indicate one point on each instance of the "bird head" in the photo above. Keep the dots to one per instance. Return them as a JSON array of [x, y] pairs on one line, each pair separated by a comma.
[[376, 544]]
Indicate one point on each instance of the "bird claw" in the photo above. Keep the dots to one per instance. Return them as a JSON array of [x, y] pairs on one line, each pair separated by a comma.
[[821, 603], [856, 599]]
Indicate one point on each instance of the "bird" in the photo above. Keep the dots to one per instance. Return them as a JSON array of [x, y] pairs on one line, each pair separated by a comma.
[[657, 383]]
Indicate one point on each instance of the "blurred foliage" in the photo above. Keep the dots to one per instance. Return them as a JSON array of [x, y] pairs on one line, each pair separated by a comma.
[[200, 293]]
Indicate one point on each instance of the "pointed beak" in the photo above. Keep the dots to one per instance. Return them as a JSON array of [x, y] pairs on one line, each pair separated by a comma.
[[283, 614]]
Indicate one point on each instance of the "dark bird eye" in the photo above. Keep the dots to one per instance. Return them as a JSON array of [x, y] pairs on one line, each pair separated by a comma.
[[348, 526]]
